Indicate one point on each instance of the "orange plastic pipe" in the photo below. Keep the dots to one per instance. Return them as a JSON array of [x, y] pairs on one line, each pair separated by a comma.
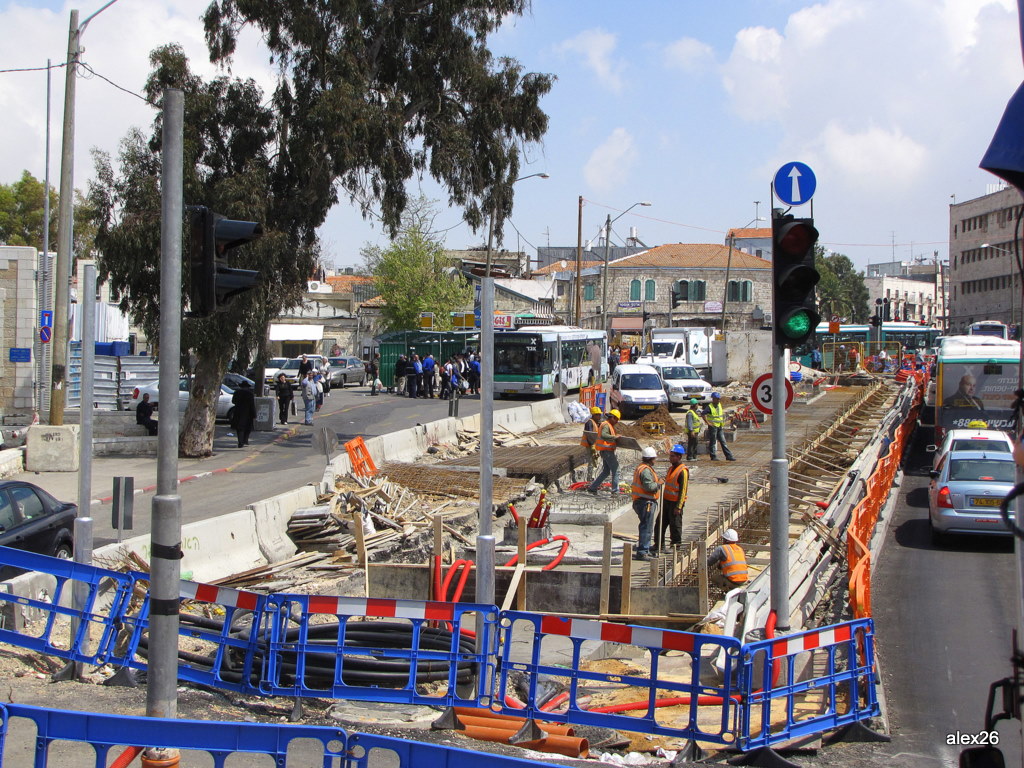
[[125, 758], [555, 729], [570, 746]]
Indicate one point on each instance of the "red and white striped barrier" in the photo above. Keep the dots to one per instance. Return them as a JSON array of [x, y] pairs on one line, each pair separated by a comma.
[[811, 640], [645, 637], [392, 609], [207, 593]]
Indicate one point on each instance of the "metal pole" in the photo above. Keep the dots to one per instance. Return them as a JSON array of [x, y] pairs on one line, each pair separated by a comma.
[[485, 537], [725, 293], [604, 276], [65, 222], [44, 266], [579, 260], [165, 536], [779, 524], [87, 307]]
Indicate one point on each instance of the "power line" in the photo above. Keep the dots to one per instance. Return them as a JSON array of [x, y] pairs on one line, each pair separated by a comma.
[[34, 69], [92, 71]]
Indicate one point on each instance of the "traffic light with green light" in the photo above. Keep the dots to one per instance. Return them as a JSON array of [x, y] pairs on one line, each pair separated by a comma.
[[213, 283], [794, 278]]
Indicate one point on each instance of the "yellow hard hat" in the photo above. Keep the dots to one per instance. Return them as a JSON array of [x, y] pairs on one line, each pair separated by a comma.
[[615, 412], [594, 410]]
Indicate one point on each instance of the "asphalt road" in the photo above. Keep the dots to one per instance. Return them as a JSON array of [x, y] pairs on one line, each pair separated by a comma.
[[279, 461]]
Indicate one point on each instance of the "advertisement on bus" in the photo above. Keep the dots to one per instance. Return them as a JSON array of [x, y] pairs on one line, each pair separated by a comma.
[[972, 391]]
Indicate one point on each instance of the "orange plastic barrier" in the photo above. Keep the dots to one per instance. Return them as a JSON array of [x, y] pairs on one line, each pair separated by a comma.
[[362, 462], [588, 395]]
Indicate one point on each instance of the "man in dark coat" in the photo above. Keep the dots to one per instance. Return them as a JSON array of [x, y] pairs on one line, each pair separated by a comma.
[[244, 413], [144, 414], [285, 396]]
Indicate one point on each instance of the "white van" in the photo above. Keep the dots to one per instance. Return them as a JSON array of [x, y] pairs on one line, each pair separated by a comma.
[[635, 390], [682, 383]]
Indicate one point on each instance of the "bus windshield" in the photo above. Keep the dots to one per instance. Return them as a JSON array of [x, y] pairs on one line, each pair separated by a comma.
[[522, 355]]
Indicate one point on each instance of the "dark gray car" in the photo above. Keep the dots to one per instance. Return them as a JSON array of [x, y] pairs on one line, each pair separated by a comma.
[[33, 520], [347, 370]]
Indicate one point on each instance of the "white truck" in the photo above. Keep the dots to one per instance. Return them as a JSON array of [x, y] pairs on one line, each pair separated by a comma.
[[680, 345]]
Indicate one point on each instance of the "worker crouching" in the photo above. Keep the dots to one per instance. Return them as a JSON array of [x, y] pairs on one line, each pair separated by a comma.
[[727, 566]]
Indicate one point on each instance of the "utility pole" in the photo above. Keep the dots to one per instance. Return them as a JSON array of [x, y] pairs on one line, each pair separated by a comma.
[[65, 224], [579, 259]]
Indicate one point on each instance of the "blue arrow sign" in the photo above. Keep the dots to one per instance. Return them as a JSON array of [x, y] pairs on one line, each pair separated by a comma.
[[794, 183], [46, 319]]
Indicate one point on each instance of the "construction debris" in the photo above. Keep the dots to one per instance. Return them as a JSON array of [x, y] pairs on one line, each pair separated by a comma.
[[659, 416]]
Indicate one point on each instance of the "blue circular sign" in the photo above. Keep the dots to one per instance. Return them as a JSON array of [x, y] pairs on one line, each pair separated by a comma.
[[794, 183], [45, 333]]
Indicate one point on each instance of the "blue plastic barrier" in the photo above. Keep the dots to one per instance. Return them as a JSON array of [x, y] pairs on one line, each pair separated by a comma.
[[672, 677], [106, 597], [288, 744], [831, 669], [424, 654]]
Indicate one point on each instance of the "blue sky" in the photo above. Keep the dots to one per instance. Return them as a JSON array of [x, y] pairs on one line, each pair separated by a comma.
[[690, 104]]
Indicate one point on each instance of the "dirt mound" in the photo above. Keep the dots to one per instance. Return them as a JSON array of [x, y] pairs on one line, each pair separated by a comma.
[[660, 415]]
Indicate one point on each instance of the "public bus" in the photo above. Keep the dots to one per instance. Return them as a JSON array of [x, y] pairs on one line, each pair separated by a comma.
[[545, 359], [910, 336], [975, 380], [989, 328]]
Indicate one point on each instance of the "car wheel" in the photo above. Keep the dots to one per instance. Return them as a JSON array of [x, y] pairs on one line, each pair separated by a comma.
[[344, 381], [64, 551]]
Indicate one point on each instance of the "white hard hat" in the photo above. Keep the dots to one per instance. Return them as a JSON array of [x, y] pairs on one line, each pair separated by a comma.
[[730, 535], [649, 453]]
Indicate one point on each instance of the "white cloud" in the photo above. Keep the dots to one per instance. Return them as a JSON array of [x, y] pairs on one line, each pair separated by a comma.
[[610, 163], [867, 156], [597, 48], [689, 55]]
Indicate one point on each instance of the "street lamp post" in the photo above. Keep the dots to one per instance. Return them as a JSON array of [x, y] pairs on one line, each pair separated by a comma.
[[485, 535], [728, 268], [65, 220], [607, 246], [1013, 277]]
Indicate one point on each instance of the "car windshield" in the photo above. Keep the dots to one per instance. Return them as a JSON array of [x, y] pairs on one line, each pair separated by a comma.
[[980, 444], [276, 362], [679, 372], [339, 361], [291, 365], [641, 381], [982, 470]]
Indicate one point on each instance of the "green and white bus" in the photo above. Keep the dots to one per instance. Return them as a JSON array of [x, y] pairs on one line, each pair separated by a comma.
[[546, 359], [976, 377]]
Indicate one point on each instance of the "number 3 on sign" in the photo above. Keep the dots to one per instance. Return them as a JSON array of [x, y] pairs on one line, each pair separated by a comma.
[[761, 394]]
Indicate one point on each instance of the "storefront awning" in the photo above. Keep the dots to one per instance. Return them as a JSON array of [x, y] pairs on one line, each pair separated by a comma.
[[296, 332], [627, 323]]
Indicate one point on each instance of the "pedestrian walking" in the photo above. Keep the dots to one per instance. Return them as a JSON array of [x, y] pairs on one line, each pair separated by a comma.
[[446, 379], [607, 442], [243, 412], [589, 440], [285, 397], [714, 417], [144, 415], [613, 360], [373, 373], [401, 369], [677, 482], [325, 371], [429, 370], [693, 424], [645, 488], [727, 565], [308, 391], [305, 366], [474, 375]]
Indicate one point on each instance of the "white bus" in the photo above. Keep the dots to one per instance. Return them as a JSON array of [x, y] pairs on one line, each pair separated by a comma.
[[532, 361], [976, 377], [989, 328]]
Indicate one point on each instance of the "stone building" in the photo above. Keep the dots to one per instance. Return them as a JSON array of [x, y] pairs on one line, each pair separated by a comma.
[[19, 324], [984, 283], [914, 292], [681, 284]]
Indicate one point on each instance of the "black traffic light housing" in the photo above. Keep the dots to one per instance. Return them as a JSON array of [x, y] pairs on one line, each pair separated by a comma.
[[677, 295], [794, 277], [213, 283], [886, 310]]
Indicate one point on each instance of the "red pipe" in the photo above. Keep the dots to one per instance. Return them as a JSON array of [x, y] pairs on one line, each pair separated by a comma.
[[125, 758], [458, 564], [555, 561], [435, 592], [554, 702], [702, 701], [769, 634], [467, 567], [512, 511]]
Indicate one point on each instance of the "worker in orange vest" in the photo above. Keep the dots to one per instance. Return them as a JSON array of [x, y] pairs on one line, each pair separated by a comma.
[[727, 565], [589, 439], [607, 442], [677, 482], [646, 485]]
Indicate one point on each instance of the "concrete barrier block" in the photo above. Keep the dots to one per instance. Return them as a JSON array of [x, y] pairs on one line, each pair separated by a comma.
[[125, 446], [441, 431], [12, 461], [271, 521], [547, 412], [52, 449]]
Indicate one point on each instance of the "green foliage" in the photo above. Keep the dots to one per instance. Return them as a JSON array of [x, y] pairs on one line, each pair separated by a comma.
[[21, 216], [377, 93], [841, 290], [415, 274]]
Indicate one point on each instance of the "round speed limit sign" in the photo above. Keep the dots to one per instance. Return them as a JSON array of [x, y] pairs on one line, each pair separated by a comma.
[[762, 395]]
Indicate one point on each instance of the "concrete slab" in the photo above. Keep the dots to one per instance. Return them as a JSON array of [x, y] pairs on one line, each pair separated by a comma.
[[52, 449]]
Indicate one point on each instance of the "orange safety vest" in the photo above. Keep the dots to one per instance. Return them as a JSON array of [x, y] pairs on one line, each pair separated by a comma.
[[676, 482], [602, 443], [590, 426], [734, 568], [639, 492]]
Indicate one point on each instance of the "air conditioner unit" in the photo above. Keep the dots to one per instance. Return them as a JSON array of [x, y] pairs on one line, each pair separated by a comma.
[[313, 286]]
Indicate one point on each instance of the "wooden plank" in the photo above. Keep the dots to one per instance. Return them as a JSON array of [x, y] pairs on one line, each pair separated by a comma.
[[702, 576], [513, 587], [438, 524], [606, 568]]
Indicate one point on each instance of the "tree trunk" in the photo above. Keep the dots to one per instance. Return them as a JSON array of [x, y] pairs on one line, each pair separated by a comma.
[[196, 439]]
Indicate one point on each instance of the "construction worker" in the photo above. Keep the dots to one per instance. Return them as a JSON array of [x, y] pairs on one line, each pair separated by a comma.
[[694, 424], [677, 482], [607, 442], [589, 439], [727, 566], [645, 500], [714, 417]]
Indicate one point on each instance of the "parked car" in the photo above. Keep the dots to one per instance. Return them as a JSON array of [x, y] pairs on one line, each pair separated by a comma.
[[33, 520], [224, 404], [965, 491], [347, 370], [682, 383], [272, 368], [635, 390], [971, 440]]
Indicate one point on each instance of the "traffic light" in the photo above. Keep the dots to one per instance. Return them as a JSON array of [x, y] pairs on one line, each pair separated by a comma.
[[794, 277], [876, 320], [213, 283], [886, 310], [677, 295]]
